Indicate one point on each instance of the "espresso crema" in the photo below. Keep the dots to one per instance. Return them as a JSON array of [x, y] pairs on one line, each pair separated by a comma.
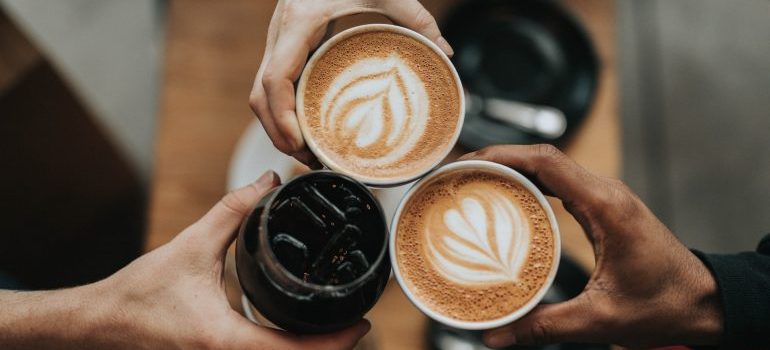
[[381, 106], [474, 245]]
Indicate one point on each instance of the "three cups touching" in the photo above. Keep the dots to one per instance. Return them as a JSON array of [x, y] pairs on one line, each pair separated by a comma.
[[473, 244]]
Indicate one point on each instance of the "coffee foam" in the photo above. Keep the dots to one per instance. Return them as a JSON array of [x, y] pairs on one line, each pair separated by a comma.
[[381, 104], [474, 246]]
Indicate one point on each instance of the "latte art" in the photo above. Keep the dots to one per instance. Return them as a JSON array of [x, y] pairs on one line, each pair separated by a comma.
[[484, 238], [376, 109], [379, 104], [473, 245]]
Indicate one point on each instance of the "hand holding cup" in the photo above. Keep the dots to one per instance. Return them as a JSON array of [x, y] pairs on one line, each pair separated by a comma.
[[647, 288], [298, 27]]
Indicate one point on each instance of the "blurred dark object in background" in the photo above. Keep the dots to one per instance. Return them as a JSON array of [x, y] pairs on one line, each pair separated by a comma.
[[570, 281], [531, 52], [72, 210]]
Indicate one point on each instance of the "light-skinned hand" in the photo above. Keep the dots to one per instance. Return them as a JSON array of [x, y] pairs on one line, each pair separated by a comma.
[[298, 27], [171, 298]]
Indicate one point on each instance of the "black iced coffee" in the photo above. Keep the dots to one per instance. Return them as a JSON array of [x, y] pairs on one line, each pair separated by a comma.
[[312, 257]]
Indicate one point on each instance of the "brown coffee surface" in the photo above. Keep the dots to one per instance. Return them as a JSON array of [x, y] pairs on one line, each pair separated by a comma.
[[466, 283], [396, 151]]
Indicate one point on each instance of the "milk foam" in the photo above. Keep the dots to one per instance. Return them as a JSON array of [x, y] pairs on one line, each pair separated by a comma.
[[482, 237], [376, 103], [380, 105], [474, 245]]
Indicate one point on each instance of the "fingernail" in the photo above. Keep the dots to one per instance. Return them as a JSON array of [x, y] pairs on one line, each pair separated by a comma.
[[499, 339], [444, 45], [266, 179]]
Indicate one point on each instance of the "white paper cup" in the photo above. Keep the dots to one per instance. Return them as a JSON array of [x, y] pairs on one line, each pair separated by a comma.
[[514, 176], [321, 154]]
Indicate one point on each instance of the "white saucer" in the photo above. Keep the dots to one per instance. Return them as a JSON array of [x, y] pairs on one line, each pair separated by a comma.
[[256, 154]]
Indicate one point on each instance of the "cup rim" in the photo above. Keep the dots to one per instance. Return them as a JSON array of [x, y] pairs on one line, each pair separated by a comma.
[[318, 151], [500, 321], [314, 287]]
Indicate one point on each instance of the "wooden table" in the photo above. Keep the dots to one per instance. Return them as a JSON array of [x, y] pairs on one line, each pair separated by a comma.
[[213, 51]]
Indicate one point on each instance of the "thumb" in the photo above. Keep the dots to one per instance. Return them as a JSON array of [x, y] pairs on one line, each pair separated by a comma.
[[218, 226], [413, 15], [571, 321]]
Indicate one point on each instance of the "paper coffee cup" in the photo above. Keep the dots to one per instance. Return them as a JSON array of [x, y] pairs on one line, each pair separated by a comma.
[[514, 177], [411, 171]]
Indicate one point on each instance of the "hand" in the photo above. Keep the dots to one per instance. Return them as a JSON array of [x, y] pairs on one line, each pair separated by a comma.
[[647, 289], [171, 298], [299, 26]]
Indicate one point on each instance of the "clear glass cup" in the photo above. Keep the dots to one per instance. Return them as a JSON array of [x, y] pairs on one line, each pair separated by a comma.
[[343, 268]]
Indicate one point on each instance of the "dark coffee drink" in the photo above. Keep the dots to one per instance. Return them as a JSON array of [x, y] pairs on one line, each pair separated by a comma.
[[312, 257]]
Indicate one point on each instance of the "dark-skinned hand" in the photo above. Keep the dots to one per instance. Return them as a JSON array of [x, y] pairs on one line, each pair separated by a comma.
[[647, 289]]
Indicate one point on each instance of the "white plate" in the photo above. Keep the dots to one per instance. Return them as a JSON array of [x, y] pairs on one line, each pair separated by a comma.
[[256, 154]]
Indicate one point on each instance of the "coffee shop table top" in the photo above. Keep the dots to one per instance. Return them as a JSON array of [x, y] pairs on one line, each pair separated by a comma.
[[213, 49]]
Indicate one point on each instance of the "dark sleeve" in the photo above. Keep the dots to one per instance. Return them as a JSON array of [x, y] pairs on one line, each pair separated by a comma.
[[744, 287]]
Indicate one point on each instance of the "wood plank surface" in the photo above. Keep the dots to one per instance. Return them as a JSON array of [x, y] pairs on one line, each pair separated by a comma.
[[213, 51]]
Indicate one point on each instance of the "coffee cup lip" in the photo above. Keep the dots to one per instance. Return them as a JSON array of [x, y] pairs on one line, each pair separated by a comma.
[[318, 151], [310, 286], [488, 324]]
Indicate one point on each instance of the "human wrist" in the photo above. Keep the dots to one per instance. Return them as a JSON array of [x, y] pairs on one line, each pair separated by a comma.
[[78, 316], [98, 316], [108, 315], [706, 320], [47, 319]]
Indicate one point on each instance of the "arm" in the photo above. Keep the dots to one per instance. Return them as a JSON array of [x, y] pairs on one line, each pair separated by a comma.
[[47, 319], [171, 298], [744, 288]]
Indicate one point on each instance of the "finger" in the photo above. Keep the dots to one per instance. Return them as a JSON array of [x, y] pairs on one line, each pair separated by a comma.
[[258, 103], [571, 321], [413, 15], [219, 225], [274, 27], [549, 167], [329, 32], [258, 98], [287, 59], [305, 156]]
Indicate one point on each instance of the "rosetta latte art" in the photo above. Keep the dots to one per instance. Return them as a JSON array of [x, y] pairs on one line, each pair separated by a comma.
[[481, 238], [376, 110]]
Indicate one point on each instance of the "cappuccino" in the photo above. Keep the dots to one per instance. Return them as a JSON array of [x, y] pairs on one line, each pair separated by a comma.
[[380, 103], [473, 244]]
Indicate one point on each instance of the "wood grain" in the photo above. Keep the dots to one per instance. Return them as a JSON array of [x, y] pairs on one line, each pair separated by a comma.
[[596, 145], [213, 52]]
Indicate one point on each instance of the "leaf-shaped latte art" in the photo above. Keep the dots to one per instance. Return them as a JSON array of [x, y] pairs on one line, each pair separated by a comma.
[[482, 238], [377, 109]]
